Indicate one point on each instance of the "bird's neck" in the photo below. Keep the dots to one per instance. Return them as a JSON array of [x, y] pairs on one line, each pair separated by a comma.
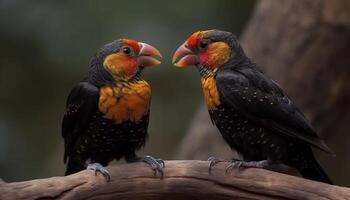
[[238, 62], [232, 63], [206, 72]]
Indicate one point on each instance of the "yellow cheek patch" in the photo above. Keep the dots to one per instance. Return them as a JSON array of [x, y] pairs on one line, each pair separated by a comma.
[[217, 53], [120, 66], [125, 102], [211, 94]]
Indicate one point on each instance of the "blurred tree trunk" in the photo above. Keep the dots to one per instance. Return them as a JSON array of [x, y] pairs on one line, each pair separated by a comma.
[[304, 46]]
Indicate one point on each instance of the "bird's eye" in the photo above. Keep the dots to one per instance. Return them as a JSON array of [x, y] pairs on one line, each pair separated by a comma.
[[127, 50], [203, 44]]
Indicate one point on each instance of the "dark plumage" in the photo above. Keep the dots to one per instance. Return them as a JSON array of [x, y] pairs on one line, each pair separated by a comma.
[[90, 136], [96, 126], [253, 114]]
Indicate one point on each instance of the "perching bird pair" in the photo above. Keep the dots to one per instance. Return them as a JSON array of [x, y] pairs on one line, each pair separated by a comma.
[[107, 114]]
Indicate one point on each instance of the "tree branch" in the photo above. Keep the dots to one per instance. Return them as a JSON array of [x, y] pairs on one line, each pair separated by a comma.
[[182, 180]]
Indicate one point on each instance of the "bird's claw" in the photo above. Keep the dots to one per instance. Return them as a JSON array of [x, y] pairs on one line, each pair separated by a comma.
[[245, 164], [213, 161], [161, 162], [97, 167], [157, 165]]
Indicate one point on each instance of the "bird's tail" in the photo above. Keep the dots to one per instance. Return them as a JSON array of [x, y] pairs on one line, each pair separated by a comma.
[[74, 166], [314, 171]]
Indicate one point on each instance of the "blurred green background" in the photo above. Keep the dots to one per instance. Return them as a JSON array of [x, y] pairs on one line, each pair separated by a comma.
[[45, 49]]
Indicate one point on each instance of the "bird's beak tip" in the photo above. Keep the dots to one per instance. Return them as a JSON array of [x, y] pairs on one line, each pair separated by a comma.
[[148, 55], [184, 57]]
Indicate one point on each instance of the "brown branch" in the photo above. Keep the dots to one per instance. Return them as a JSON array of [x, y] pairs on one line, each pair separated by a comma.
[[182, 180]]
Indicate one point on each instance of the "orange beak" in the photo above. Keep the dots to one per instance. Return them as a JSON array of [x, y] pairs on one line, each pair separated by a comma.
[[147, 54], [184, 57]]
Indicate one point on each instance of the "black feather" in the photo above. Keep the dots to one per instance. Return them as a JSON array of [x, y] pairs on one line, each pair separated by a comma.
[[260, 99], [88, 135], [81, 104]]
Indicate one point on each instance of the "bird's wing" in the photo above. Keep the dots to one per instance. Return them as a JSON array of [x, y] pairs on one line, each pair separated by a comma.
[[81, 104], [263, 101]]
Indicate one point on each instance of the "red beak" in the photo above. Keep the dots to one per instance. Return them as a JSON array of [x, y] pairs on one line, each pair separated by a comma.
[[184, 57], [147, 54]]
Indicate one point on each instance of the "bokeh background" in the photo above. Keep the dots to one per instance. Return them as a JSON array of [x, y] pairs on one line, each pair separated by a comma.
[[45, 49]]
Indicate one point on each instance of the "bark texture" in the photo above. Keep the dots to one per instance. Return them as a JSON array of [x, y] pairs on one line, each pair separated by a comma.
[[303, 45], [182, 180]]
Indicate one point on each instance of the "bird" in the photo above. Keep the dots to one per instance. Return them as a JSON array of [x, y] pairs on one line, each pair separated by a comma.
[[253, 114], [107, 114]]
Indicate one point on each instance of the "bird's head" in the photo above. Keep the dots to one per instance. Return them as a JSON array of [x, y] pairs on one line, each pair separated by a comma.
[[208, 49], [122, 60]]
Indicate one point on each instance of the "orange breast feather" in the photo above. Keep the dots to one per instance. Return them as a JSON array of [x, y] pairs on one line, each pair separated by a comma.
[[211, 94], [125, 102]]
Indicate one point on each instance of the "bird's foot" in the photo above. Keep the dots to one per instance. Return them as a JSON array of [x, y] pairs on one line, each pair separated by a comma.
[[213, 161], [97, 167], [245, 164], [157, 165]]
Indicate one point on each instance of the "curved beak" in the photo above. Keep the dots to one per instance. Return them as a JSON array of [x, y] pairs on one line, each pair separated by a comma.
[[184, 57], [147, 55]]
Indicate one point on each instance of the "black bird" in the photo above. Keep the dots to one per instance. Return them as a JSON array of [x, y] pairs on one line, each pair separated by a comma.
[[107, 115], [253, 114]]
